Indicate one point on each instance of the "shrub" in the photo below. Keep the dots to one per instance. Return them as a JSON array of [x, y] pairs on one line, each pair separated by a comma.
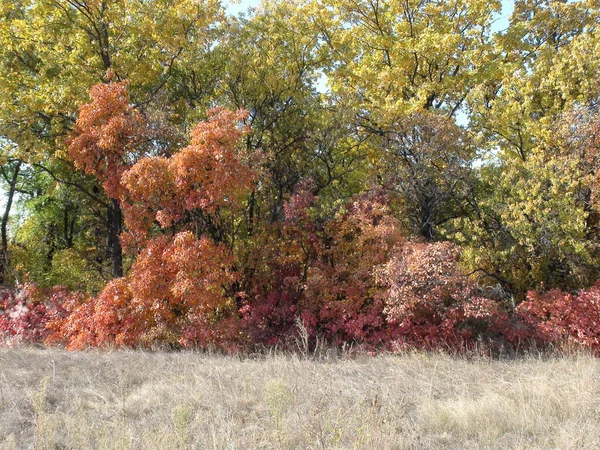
[[26, 311], [432, 303], [320, 271], [557, 317], [170, 297]]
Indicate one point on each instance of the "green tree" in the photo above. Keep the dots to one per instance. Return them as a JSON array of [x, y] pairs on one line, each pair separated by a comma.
[[531, 227], [272, 72], [59, 241], [399, 67], [10, 169]]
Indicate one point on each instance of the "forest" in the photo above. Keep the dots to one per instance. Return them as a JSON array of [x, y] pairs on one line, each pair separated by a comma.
[[378, 173]]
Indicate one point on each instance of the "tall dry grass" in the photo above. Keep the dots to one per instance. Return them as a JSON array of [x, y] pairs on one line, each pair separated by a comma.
[[51, 399]]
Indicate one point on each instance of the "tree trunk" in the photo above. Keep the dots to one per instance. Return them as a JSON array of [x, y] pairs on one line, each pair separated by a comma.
[[428, 213], [251, 206], [12, 187], [114, 226]]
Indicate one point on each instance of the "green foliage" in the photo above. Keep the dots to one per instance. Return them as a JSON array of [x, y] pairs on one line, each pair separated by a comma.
[[272, 71], [397, 57], [54, 244], [530, 227]]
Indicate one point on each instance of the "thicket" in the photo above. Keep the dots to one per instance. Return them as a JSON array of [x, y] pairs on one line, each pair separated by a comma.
[[370, 173]]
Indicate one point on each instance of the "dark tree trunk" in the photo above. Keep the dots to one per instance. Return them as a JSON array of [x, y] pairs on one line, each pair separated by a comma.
[[12, 188], [251, 206], [427, 225], [428, 232], [113, 247]]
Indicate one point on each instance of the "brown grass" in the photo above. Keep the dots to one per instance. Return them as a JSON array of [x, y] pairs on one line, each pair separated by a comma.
[[51, 399]]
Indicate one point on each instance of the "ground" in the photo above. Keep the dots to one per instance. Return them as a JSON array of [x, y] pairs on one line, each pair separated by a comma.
[[53, 399]]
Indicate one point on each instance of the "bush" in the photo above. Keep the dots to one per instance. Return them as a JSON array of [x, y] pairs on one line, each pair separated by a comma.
[[320, 272], [169, 298], [557, 318], [431, 303], [26, 311]]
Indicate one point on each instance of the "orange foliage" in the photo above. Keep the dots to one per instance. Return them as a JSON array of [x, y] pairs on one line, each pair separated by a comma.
[[108, 135], [179, 291], [208, 174], [176, 285], [211, 172]]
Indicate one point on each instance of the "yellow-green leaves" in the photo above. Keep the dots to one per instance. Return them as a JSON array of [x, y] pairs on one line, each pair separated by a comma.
[[531, 226], [395, 58], [53, 51], [546, 63]]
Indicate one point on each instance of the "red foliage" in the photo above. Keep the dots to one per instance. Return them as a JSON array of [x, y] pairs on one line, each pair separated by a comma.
[[272, 269], [431, 302], [341, 289], [26, 311], [557, 317], [321, 273]]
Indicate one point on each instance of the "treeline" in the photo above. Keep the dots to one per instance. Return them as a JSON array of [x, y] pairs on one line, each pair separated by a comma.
[[374, 172]]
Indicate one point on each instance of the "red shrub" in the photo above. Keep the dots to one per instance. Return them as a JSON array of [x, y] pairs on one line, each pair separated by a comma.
[[557, 317], [431, 302], [321, 272], [26, 311], [272, 269], [341, 289]]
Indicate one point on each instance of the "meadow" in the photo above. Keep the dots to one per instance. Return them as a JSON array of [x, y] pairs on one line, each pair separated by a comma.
[[52, 399]]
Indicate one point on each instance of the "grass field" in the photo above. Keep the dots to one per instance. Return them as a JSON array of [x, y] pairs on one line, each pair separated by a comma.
[[51, 399]]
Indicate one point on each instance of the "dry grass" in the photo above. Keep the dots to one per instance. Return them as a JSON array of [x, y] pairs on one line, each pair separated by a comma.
[[50, 399]]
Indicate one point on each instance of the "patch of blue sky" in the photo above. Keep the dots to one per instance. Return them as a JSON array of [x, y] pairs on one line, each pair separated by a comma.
[[235, 7]]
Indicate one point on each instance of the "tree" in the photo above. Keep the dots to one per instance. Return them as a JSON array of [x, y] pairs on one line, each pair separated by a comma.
[[545, 66], [271, 72], [109, 136], [394, 58], [180, 289], [58, 240], [53, 51], [530, 226], [404, 70], [529, 230], [10, 172], [426, 160]]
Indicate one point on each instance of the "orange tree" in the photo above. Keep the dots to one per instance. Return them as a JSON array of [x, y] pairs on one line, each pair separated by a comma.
[[180, 289]]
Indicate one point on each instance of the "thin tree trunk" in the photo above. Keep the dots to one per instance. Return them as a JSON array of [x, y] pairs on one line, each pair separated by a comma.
[[12, 187], [114, 225], [251, 207]]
